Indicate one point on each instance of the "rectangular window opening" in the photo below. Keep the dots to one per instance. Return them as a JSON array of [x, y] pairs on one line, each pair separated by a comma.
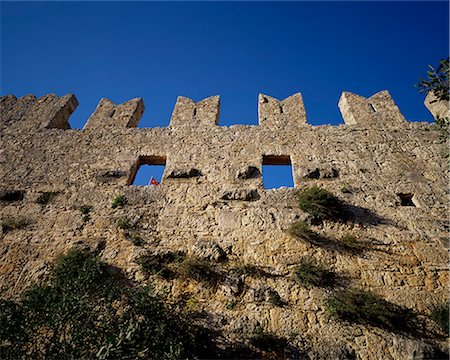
[[148, 170], [277, 171]]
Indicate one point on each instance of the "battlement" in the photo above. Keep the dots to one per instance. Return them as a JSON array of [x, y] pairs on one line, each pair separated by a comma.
[[53, 112], [219, 154], [77, 188]]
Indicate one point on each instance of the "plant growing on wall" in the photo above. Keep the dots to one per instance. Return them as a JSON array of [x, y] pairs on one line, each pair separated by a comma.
[[438, 81], [118, 201], [440, 314], [76, 316], [367, 308], [319, 203]]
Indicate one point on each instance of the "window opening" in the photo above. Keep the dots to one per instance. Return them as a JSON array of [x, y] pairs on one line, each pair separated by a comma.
[[277, 171], [148, 170]]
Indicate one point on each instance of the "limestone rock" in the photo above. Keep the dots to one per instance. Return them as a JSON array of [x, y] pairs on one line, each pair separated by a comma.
[[249, 172], [241, 194], [207, 249], [184, 173]]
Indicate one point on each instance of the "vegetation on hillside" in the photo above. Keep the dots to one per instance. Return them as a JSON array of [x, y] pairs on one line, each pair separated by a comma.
[[88, 311]]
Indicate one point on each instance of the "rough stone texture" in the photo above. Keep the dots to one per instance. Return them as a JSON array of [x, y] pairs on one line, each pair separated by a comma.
[[375, 156], [275, 114], [379, 109], [439, 109]]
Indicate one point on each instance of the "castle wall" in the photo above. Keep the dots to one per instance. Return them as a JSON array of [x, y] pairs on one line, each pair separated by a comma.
[[204, 200]]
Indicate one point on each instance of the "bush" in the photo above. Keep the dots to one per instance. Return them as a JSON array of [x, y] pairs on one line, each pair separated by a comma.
[[440, 314], [350, 243], [14, 223], [12, 329], [319, 203], [46, 197], [118, 201], [87, 311], [137, 240], [301, 230], [124, 223], [199, 270], [159, 264], [309, 274], [85, 209], [267, 341], [368, 309]]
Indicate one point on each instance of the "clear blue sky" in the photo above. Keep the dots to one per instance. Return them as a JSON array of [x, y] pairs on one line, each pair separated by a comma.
[[159, 50]]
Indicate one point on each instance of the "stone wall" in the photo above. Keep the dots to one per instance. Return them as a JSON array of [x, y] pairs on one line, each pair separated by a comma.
[[212, 201]]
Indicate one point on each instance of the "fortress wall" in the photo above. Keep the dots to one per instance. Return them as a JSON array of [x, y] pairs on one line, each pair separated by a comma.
[[206, 199]]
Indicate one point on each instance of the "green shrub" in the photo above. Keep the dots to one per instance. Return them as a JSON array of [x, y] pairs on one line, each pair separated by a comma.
[[78, 270], [368, 309], [118, 201], [46, 197], [319, 203], [85, 209], [350, 243], [124, 223], [309, 274], [440, 314], [137, 240], [87, 311], [269, 342], [301, 230], [199, 270], [160, 264], [14, 223], [12, 329]]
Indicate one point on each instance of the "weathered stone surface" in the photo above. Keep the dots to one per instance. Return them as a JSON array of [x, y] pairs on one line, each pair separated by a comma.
[[323, 172], [108, 115], [249, 172], [232, 285], [184, 173], [209, 250], [111, 175], [190, 113], [379, 109], [227, 209], [439, 109], [275, 114], [241, 194]]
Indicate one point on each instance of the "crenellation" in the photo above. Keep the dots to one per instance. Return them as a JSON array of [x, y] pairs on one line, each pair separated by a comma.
[[379, 110], [57, 111], [108, 115], [385, 105], [279, 114], [190, 113]]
